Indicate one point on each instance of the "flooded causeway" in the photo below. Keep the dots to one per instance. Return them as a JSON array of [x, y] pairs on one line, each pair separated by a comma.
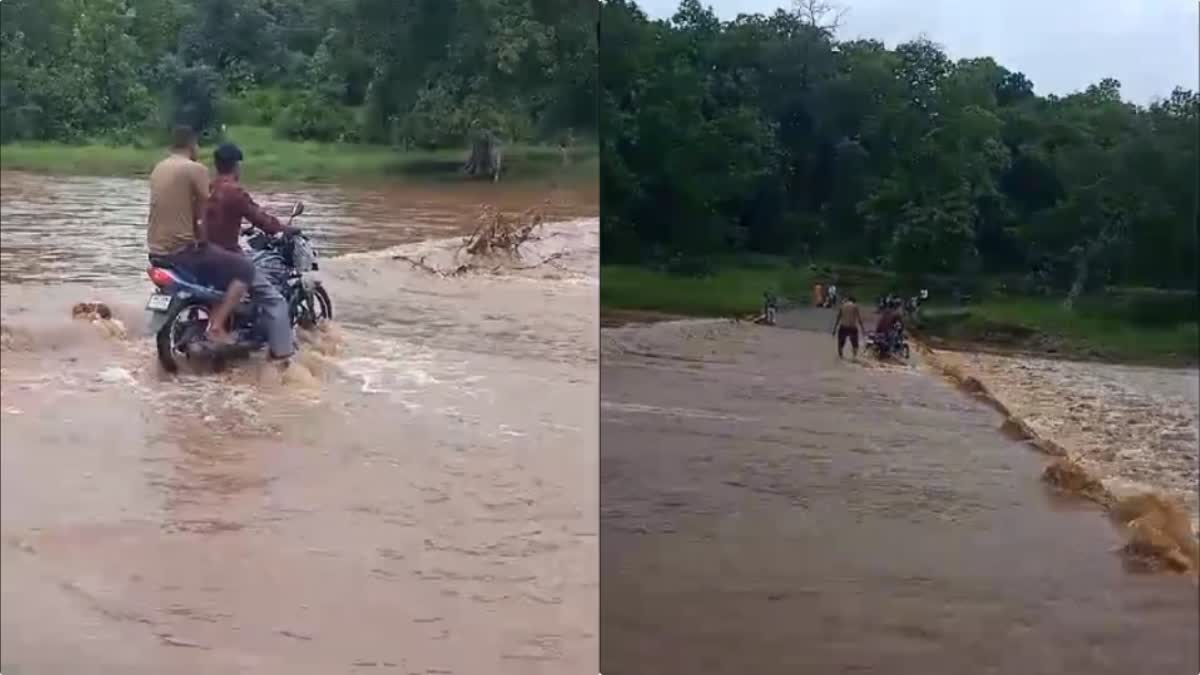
[[417, 496], [767, 508]]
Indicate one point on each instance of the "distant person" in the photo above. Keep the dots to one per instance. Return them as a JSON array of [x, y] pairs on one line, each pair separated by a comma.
[[818, 295], [175, 234], [846, 326], [831, 298], [770, 307], [564, 149], [228, 205]]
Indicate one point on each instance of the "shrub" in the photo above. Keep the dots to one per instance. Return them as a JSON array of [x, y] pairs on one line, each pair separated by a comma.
[[191, 96], [256, 107], [1145, 306], [311, 118]]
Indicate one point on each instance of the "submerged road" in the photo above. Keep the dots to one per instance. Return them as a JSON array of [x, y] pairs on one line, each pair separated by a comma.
[[767, 508], [418, 495]]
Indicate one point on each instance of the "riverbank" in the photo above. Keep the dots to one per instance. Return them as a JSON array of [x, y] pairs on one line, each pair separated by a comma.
[[271, 158], [1011, 324], [1021, 326]]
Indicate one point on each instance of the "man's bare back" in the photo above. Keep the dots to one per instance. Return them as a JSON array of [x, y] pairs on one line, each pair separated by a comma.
[[847, 325], [849, 315]]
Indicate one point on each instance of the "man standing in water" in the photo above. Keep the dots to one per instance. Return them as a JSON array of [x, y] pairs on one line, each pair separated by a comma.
[[228, 205], [847, 324], [175, 234]]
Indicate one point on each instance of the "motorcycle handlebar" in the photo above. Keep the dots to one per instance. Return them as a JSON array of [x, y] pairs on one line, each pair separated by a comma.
[[250, 231]]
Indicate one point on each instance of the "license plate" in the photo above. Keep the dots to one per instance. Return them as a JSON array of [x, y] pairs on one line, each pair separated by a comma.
[[158, 302]]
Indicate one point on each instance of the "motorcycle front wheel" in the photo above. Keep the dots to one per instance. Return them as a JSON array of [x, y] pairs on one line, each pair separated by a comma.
[[310, 309]]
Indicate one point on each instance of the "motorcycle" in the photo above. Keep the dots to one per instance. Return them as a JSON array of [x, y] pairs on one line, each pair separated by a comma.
[[885, 301], [913, 304], [180, 306], [890, 344]]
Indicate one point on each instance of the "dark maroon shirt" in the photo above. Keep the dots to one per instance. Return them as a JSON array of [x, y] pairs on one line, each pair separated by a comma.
[[229, 204], [887, 320]]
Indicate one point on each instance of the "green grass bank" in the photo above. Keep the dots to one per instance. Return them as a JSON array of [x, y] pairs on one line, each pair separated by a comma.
[[271, 158], [733, 288], [1044, 326], [1124, 327]]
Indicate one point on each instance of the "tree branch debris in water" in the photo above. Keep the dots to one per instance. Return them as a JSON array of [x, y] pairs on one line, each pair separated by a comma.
[[494, 245]]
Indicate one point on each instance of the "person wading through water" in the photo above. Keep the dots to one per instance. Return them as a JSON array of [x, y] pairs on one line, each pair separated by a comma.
[[847, 325], [175, 233]]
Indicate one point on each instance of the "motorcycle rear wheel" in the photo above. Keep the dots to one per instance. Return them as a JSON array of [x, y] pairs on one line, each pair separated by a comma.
[[172, 339]]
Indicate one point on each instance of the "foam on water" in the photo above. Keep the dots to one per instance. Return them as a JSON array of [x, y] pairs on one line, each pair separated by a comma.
[[1135, 428]]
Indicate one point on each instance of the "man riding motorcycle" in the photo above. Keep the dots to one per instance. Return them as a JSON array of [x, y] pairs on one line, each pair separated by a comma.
[[889, 327], [888, 319], [227, 206], [175, 236]]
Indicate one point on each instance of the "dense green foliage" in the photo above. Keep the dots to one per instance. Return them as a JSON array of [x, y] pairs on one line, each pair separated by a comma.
[[768, 134], [420, 73]]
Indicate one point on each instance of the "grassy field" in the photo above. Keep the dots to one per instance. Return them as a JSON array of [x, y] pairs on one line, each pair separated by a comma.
[[271, 158], [1026, 324], [730, 291], [734, 289], [1043, 325]]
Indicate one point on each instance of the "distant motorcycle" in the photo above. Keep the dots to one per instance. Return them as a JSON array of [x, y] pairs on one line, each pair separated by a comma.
[[889, 344], [180, 306], [913, 304]]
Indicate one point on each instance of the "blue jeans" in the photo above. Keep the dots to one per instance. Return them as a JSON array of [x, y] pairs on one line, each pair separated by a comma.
[[273, 314]]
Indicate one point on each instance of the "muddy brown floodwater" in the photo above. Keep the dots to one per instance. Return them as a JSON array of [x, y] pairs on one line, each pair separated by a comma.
[[767, 508], [417, 496], [1135, 428]]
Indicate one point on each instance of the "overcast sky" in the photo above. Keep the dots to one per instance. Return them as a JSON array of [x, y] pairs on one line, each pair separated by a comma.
[[1061, 45]]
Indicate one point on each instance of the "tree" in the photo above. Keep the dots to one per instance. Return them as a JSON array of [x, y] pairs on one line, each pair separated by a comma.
[[767, 133], [423, 70]]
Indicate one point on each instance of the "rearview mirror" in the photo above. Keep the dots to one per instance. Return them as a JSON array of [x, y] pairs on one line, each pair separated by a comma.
[[297, 209]]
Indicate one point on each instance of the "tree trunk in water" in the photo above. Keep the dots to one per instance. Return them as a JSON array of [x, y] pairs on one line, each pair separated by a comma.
[[1095, 252], [484, 161], [1081, 270], [1082, 267]]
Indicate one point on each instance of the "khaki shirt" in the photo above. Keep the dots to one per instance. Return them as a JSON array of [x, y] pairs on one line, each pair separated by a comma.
[[178, 190]]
